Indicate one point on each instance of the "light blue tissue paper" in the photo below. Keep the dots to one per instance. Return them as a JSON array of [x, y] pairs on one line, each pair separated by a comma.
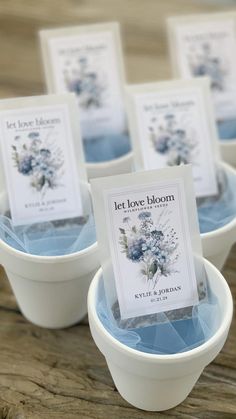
[[168, 337], [10, 236], [106, 148], [217, 211], [49, 238], [227, 129]]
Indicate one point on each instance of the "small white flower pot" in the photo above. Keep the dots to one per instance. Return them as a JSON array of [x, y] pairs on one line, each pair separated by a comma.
[[51, 291], [217, 243], [118, 166], [228, 151], [159, 382]]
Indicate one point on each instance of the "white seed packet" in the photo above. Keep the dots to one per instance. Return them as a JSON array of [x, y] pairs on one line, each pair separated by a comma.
[[172, 123], [41, 158], [149, 243], [205, 45], [87, 60]]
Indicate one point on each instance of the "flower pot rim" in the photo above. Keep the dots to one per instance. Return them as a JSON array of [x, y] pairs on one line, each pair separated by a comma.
[[109, 163], [49, 259], [227, 143], [218, 231], [171, 358], [227, 227]]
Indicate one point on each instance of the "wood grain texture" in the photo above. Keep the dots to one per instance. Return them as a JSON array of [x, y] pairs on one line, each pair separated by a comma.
[[61, 374]]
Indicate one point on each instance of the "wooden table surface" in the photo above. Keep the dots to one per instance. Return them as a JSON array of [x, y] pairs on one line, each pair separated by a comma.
[[61, 374]]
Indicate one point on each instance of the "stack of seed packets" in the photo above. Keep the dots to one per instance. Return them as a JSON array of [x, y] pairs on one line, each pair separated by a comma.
[[44, 174], [87, 60], [150, 247], [205, 45]]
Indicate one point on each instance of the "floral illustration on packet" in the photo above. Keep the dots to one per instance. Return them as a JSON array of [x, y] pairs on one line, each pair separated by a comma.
[[154, 246], [173, 139], [40, 160], [205, 63], [86, 83]]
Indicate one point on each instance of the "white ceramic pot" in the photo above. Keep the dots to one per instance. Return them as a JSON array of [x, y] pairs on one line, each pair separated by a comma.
[[51, 291], [228, 151], [159, 382], [118, 166], [217, 243]]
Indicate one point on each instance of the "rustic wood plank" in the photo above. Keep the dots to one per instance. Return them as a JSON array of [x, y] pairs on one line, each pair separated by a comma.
[[61, 374]]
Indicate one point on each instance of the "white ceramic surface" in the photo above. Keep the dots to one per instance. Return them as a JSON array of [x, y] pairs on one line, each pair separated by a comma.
[[51, 290], [159, 382], [118, 166], [217, 244], [228, 151]]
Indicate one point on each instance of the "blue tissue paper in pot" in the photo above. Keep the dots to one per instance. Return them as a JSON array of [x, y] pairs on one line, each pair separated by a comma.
[[227, 129], [106, 148], [49, 238], [166, 337], [217, 211]]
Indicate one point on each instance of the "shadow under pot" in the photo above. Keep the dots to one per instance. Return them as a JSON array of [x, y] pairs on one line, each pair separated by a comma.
[[51, 291], [157, 382]]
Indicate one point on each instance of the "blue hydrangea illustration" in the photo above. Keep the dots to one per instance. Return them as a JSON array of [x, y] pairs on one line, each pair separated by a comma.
[[25, 165], [42, 161], [155, 249], [173, 141], [205, 63], [86, 83]]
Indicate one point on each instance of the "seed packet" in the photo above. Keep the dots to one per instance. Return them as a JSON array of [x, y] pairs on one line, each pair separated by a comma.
[[172, 123], [42, 158], [87, 60], [205, 45], [150, 247]]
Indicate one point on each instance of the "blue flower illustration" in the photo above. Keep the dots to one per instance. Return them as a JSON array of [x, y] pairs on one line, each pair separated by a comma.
[[33, 135], [174, 142], [126, 219], [162, 145], [45, 152], [144, 215], [135, 250], [153, 248], [25, 165], [206, 63], [35, 159], [85, 83]]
